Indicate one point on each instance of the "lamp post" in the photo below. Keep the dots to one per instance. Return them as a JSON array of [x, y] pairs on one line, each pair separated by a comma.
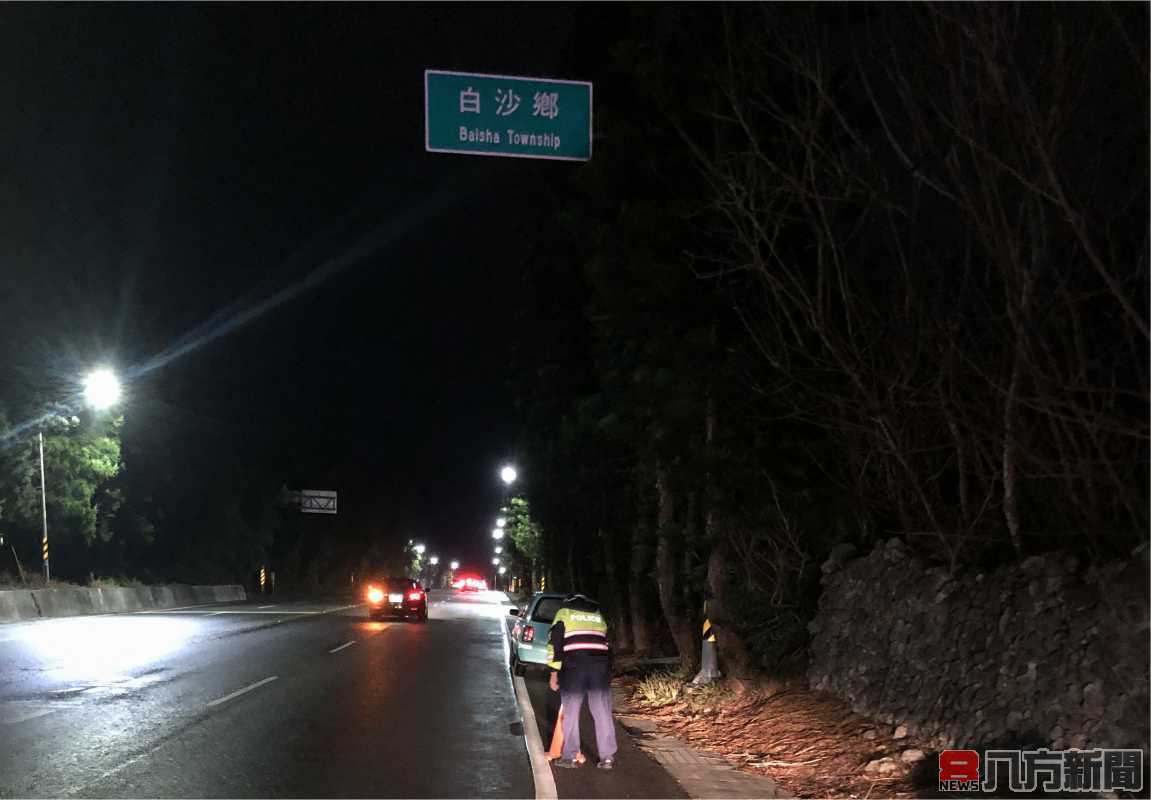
[[102, 390]]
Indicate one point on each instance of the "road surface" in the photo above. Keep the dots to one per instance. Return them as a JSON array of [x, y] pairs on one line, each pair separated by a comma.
[[262, 699], [282, 699]]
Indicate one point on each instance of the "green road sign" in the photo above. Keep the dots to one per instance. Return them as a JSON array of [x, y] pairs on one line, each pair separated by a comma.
[[502, 115]]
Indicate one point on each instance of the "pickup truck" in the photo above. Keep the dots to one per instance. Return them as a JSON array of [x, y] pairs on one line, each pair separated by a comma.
[[527, 630]]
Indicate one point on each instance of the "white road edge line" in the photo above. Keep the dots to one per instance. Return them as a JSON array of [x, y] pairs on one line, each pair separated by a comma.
[[245, 690], [340, 608], [545, 781], [273, 605], [341, 647]]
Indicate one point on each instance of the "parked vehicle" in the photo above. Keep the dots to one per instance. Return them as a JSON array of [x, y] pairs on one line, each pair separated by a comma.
[[527, 630]]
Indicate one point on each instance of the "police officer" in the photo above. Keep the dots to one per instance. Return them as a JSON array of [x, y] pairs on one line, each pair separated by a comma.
[[579, 655]]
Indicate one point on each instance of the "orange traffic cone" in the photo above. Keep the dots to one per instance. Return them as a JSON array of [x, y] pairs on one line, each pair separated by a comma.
[[557, 748]]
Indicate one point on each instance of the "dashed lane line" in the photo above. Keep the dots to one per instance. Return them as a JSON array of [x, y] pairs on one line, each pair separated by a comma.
[[245, 690], [341, 647]]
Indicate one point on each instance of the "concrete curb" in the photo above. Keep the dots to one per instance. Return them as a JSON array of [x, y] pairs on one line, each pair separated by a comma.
[[545, 784], [27, 604]]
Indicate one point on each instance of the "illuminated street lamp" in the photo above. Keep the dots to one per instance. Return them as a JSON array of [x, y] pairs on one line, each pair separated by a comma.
[[454, 565], [419, 548], [499, 550], [495, 562], [101, 389], [434, 560], [497, 533], [503, 570], [501, 522], [508, 474]]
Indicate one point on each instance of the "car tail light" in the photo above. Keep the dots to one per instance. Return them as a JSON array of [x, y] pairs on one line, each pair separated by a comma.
[[375, 594], [529, 634], [415, 595]]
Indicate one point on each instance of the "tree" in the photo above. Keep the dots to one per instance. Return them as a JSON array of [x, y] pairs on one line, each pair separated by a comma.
[[81, 458]]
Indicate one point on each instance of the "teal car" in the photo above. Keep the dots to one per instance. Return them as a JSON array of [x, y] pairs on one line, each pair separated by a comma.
[[527, 630]]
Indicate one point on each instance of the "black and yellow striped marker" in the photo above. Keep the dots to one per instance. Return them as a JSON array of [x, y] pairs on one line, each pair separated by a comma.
[[708, 631]]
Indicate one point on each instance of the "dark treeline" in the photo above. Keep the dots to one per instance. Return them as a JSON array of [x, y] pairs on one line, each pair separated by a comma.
[[838, 274]]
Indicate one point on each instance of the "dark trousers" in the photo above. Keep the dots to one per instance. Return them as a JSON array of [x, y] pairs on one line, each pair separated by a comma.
[[587, 677]]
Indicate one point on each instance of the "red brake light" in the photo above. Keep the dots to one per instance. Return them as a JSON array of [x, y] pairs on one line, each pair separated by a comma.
[[529, 634], [415, 595]]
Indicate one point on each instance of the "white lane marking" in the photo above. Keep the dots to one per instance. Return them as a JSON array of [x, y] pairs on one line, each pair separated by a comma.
[[167, 610], [214, 613], [545, 781], [272, 605], [109, 773], [341, 608], [341, 647], [245, 690]]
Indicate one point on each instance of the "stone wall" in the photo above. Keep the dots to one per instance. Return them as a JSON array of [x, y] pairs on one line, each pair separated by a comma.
[[1039, 652]]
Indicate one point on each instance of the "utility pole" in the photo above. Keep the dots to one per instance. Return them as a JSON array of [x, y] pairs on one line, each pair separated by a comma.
[[44, 510]]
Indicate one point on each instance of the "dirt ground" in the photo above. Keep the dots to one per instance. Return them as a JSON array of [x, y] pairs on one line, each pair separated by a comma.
[[809, 743]]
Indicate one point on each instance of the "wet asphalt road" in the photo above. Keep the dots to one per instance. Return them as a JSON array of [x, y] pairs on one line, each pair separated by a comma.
[[263, 699]]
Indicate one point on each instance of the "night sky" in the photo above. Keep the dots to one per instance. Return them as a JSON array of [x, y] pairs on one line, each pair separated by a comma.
[[232, 204]]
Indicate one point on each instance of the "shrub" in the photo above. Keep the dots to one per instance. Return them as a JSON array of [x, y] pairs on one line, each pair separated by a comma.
[[659, 689]]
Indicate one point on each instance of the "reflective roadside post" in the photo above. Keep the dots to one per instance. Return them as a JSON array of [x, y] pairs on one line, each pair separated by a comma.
[[709, 658]]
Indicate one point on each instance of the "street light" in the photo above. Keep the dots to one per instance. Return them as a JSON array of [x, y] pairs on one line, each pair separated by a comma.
[[101, 392], [434, 560], [501, 522], [499, 550], [454, 565], [497, 533], [508, 474], [495, 562], [503, 570], [101, 389], [419, 548]]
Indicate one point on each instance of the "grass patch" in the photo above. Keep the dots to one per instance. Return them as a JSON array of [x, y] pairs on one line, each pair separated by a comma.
[[113, 583], [659, 689]]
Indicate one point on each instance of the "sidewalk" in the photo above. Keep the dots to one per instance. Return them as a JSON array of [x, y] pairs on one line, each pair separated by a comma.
[[702, 775], [648, 764]]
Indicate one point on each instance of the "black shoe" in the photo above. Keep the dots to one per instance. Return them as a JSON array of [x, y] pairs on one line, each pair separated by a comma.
[[566, 763], [607, 763]]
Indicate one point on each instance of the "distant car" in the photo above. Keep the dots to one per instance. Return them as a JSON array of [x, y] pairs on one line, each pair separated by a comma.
[[528, 630], [470, 584], [397, 597]]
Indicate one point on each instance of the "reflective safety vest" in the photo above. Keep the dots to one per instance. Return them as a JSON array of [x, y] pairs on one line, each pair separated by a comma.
[[575, 630]]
